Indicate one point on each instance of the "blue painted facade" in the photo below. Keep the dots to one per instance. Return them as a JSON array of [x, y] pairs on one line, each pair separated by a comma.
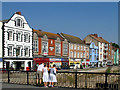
[[1, 59], [93, 54]]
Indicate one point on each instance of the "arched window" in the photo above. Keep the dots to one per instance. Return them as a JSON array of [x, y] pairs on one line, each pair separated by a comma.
[[19, 22]]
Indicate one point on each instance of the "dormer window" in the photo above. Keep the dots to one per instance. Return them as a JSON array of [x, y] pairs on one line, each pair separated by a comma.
[[19, 22]]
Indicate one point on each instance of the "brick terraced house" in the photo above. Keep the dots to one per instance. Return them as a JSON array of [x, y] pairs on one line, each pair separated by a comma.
[[103, 47], [78, 51], [50, 48]]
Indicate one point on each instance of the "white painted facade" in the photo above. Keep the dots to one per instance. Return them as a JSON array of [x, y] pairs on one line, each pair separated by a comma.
[[17, 42], [102, 53], [1, 50]]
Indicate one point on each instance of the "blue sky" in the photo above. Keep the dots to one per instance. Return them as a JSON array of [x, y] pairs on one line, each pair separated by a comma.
[[74, 18]]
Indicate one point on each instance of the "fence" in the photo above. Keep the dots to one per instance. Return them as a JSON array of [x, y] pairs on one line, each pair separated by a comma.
[[83, 80]]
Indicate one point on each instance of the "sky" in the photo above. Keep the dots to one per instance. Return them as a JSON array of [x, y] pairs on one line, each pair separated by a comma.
[[74, 18]]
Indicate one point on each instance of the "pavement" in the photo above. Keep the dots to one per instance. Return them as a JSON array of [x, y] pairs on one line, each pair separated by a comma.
[[8, 86]]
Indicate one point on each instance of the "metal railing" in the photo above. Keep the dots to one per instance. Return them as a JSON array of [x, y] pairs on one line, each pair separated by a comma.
[[91, 80]]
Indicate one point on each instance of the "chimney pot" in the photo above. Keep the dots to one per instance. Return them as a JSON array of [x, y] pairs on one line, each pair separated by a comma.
[[18, 13]]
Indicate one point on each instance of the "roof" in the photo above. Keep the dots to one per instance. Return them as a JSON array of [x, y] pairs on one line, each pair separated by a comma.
[[41, 33], [100, 39], [6, 20], [72, 39]]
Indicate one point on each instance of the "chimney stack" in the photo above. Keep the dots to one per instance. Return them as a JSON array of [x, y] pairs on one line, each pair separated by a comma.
[[100, 37], [95, 35], [18, 13]]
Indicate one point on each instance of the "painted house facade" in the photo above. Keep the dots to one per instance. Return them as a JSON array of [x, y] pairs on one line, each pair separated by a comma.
[[1, 45], [93, 54], [17, 43], [50, 48], [103, 47], [78, 51]]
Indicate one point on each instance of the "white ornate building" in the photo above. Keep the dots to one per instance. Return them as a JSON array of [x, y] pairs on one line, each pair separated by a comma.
[[17, 42]]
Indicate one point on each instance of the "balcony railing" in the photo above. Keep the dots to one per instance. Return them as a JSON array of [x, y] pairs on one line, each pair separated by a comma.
[[85, 80]]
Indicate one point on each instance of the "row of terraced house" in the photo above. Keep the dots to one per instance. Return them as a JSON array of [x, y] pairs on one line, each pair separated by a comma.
[[23, 47]]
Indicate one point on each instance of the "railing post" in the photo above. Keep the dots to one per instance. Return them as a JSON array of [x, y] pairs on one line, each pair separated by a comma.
[[27, 77], [76, 79], [8, 76], [106, 75], [86, 80]]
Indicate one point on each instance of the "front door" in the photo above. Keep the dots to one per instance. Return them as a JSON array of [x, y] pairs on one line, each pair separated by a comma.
[[29, 65], [18, 65], [7, 65]]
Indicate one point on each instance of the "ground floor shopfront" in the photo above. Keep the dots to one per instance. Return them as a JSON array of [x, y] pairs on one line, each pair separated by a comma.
[[61, 63], [18, 63], [79, 63]]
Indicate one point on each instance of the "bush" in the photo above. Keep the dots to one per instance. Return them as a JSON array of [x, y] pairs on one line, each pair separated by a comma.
[[108, 70]]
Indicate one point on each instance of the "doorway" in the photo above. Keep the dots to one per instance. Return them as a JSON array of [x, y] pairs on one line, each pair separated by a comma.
[[18, 65], [7, 65], [29, 65]]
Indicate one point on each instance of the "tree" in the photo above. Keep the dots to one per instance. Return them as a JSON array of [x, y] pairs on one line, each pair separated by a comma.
[[115, 45]]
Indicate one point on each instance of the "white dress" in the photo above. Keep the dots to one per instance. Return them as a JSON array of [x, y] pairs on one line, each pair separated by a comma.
[[52, 77], [45, 75]]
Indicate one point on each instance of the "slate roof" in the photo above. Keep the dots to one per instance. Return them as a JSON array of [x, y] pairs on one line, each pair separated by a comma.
[[100, 39], [72, 39], [41, 33]]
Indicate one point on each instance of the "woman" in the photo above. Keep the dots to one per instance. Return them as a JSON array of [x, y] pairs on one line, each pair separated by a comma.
[[45, 75], [52, 77]]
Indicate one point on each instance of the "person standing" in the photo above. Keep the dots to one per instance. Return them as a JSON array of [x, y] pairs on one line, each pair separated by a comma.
[[39, 73], [45, 75], [52, 77]]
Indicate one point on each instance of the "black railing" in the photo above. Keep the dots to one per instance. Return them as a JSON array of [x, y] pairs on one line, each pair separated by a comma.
[[71, 79]]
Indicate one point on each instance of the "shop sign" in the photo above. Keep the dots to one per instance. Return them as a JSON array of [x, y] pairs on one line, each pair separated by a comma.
[[64, 59], [77, 59], [55, 59]]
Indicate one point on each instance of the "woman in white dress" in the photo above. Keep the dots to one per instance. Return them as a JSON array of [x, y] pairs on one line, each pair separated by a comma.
[[52, 77], [45, 75]]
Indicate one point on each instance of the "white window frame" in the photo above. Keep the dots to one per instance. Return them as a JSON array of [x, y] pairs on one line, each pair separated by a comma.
[[81, 47], [51, 41], [71, 53], [19, 51], [81, 55], [65, 49], [45, 47], [78, 47], [27, 50], [57, 48], [10, 38], [78, 54], [71, 46], [74, 54], [11, 50], [27, 37], [74, 46], [20, 23], [35, 45]]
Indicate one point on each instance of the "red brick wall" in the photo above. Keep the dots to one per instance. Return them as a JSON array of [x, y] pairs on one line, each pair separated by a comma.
[[51, 45], [39, 46]]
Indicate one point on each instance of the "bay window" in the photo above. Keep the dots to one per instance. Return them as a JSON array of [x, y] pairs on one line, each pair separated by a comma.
[[44, 47], [65, 48], [35, 45], [58, 47]]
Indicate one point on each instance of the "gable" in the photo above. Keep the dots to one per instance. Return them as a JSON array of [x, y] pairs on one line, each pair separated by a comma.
[[12, 22]]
